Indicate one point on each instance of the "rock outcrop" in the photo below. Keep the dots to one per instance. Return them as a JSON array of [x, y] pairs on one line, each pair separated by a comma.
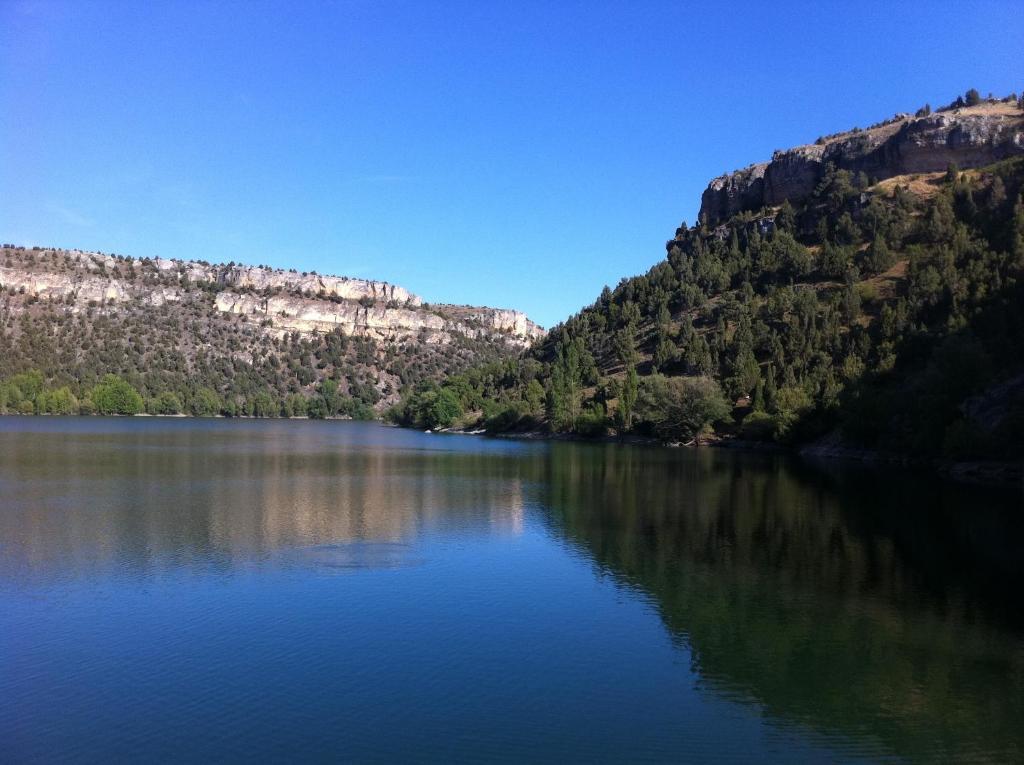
[[279, 301], [968, 137]]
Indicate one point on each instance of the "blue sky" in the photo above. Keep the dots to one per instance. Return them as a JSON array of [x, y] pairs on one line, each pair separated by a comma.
[[511, 154]]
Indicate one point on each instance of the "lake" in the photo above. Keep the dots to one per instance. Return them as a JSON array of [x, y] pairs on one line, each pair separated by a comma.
[[217, 590]]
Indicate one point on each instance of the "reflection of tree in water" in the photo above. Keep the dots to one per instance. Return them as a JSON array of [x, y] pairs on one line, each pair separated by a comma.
[[863, 605]]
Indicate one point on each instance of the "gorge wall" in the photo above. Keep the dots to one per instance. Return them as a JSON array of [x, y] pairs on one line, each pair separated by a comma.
[[281, 301], [248, 334], [968, 137]]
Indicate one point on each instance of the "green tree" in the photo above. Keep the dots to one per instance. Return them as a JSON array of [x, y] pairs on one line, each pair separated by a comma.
[[785, 220], [1017, 232], [10, 397], [534, 398], [441, 409], [297, 405], [329, 394], [315, 408], [566, 387], [879, 257], [680, 408], [59, 401], [166, 403], [791, 403], [29, 384], [115, 396], [628, 396], [262, 405], [205, 403]]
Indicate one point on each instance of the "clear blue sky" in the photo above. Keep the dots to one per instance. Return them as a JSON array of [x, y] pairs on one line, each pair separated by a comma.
[[512, 154]]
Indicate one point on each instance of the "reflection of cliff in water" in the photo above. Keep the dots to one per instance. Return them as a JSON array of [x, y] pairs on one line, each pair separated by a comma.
[[870, 606], [861, 605], [189, 498]]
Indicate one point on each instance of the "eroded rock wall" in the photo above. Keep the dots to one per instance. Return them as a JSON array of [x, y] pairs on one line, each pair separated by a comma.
[[968, 137]]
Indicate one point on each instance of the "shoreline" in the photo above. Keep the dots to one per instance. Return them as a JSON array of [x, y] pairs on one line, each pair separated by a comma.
[[997, 473]]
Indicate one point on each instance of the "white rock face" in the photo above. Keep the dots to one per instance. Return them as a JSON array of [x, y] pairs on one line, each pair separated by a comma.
[[506, 320], [306, 315], [279, 301], [969, 137], [55, 286]]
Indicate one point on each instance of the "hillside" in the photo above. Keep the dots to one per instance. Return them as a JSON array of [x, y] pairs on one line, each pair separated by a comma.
[[881, 310], [199, 338]]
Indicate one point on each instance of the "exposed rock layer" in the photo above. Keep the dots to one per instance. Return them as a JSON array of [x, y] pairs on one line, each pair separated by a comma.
[[968, 137], [281, 301]]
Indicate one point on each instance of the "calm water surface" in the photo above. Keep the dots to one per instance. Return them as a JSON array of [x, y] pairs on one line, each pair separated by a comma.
[[201, 591]]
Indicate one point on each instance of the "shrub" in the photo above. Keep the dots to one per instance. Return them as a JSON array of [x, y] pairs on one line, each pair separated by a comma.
[[680, 408], [593, 422], [759, 426], [205, 403], [791, 403], [165, 403], [60, 401], [504, 419]]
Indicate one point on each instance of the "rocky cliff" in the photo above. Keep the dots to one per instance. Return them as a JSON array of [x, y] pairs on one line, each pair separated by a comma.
[[243, 331], [968, 137], [280, 301]]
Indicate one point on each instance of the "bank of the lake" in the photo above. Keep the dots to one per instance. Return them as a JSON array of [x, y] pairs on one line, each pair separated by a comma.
[[1008, 473], [988, 472]]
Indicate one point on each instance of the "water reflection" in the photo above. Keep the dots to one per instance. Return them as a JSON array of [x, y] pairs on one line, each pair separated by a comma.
[[880, 611], [861, 604], [149, 498]]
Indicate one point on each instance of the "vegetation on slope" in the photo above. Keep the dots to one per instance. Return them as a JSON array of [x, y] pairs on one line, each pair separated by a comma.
[[888, 311], [186, 356]]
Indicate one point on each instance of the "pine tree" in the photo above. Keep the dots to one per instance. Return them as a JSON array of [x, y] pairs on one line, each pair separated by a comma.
[[996, 194], [758, 403], [771, 391], [627, 398], [880, 257], [1017, 232], [785, 220]]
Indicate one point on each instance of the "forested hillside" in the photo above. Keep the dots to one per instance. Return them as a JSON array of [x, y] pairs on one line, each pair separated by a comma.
[[88, 332], [886, 314]]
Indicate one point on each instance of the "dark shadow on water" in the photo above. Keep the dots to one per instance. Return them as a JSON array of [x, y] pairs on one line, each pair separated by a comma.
[[857, 602]]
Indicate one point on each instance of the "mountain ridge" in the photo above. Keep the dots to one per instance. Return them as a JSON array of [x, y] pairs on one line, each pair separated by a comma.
[[173, 326], [967, 136], [98, 284]]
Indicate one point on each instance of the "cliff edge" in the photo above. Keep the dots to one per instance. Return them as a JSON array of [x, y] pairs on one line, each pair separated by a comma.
[[970, 136]]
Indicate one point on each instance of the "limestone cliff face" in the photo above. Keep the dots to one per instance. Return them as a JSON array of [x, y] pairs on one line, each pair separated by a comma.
[[503, 320], [968, 137], [278, 301], [257, 278]]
